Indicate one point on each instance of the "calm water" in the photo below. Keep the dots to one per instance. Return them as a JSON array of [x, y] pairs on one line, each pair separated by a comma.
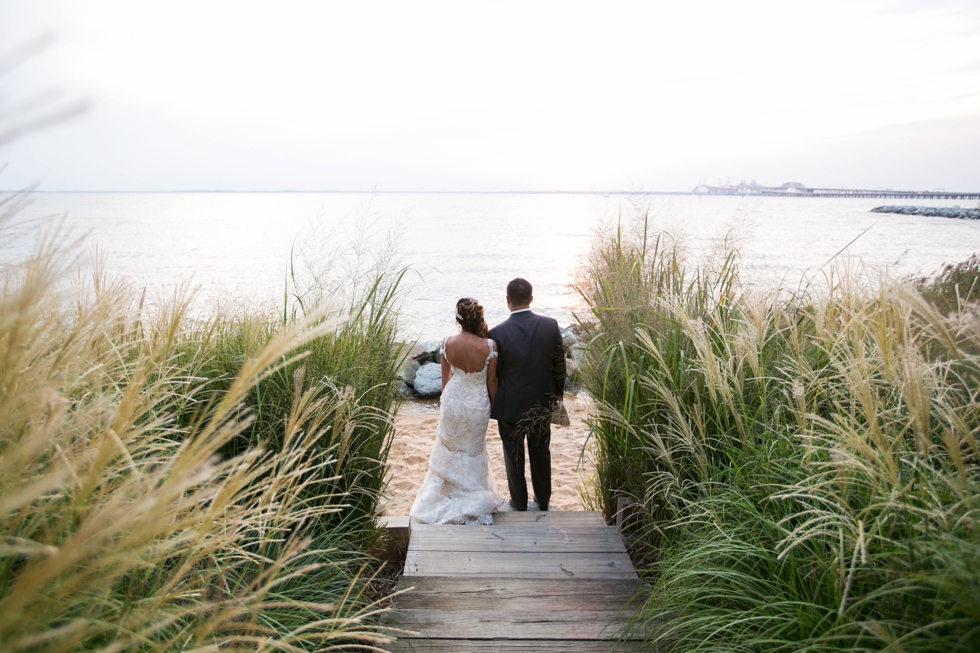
[[239, 244]]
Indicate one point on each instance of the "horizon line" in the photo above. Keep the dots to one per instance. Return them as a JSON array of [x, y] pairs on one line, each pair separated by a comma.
[[440, 192], [379, 192]]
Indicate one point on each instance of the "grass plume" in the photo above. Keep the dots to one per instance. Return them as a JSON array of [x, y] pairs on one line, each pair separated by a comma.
[[804, 464], [172, 485]]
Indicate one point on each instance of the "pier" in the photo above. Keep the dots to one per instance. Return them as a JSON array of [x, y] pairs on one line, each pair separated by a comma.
[[794, 189]]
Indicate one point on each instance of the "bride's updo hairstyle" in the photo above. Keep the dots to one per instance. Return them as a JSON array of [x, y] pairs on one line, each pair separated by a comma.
[[469, 316]]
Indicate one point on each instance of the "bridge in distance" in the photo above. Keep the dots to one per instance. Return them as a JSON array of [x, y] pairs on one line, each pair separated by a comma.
[[794, 189]]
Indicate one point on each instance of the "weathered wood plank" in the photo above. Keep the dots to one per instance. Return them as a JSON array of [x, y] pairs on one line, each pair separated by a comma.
[[510, 624], [571, 518], [442, 593], [554, 581], [394, 521], [522, 565], [398, 532], [516, 538], [515, 646]]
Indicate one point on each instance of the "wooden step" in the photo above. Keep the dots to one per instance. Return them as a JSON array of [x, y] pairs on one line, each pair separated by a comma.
[[487, 594], [521, 624], [515, 646], [534, 581], [550, 518], [516, 538], [603, 564]]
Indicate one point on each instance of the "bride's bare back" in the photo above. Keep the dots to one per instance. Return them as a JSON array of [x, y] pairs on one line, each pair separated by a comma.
[[468, 352]]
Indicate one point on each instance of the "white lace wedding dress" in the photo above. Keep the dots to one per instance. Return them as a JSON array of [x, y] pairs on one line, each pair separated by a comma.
[[459, 487]]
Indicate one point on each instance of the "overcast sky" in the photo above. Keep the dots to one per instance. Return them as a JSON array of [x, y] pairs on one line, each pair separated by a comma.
[[495, 95]]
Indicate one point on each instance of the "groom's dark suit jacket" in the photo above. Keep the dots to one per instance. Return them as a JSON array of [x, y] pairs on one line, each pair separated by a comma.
[[530, 367]]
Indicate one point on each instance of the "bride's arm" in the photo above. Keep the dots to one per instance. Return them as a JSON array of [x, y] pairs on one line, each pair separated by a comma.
[[492, 377], [446, 372]]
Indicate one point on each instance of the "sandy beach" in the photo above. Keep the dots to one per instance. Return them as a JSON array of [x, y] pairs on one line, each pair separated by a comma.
[[415, 431]]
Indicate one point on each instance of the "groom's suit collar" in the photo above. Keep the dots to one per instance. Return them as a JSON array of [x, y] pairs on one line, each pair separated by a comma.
[[520, 310]]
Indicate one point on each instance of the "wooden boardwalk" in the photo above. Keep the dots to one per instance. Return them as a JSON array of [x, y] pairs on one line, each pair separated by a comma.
[[534, 581]]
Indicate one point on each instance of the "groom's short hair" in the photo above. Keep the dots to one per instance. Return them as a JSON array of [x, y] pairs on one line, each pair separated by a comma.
[[519, 292]]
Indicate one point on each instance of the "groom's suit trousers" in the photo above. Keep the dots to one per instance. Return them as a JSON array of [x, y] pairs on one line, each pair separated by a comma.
[[538, 435]]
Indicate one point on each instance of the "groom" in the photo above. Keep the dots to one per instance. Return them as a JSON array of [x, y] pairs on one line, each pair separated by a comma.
[[531, 373]]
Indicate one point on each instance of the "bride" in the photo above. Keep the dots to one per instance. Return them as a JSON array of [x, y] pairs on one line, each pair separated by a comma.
[[459, 487]]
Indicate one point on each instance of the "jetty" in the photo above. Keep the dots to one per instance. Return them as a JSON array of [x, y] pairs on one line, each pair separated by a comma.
[[533, 581], [931, 211]]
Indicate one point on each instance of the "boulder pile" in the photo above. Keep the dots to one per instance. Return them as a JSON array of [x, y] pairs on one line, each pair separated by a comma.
[[933, 211], [421, 375]]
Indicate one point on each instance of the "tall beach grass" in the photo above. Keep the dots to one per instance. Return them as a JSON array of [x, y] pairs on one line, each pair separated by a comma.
[[172, 484], [803, 464], [356, 358]]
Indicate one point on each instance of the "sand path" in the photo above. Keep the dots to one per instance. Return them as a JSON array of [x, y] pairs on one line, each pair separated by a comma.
[[415, 432]]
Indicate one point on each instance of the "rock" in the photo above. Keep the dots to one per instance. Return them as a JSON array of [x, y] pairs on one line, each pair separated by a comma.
[[408, 371], [569, 338], [404, 390], [428, 380], [426, 352], [571, 367], [577, 352]]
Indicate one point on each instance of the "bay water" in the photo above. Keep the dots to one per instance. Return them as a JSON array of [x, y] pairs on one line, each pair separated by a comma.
[[241, 246]]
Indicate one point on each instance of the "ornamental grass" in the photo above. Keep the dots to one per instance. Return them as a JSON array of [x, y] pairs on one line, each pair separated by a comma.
[[802, 465], [169, 483]]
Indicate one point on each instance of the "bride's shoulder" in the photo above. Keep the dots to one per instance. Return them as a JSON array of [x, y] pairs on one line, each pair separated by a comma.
[[450, 341]]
